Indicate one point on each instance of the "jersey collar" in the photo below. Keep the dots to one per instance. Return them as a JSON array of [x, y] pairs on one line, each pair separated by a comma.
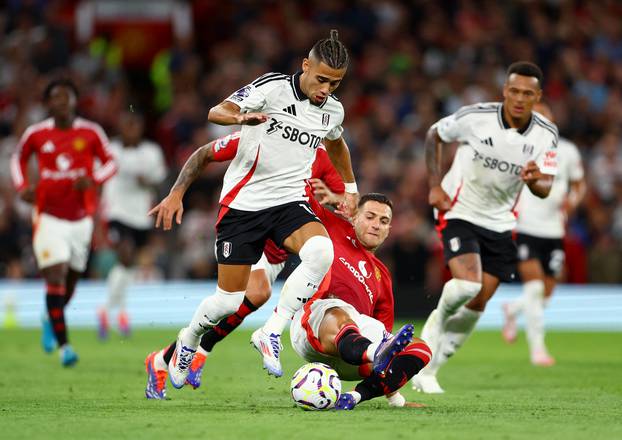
[[506, 125], [298, 93]]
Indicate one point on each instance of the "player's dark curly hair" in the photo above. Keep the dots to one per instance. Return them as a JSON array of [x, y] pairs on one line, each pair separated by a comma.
[[331, 51], [376, 197], [525, 68], [63, 82]]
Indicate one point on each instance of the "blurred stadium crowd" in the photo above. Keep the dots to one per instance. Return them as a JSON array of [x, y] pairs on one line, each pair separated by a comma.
[[413, 62]]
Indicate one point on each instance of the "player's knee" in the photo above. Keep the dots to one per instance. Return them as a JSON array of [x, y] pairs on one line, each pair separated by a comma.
[[259, 294], [468, 288], [317, 253]]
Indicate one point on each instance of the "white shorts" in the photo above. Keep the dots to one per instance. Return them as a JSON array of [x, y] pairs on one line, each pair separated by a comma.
[[302, 336], [272, 270], [62, 241]]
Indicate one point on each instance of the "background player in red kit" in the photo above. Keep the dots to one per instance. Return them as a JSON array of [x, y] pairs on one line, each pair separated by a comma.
[[65, 198], [326, 186]]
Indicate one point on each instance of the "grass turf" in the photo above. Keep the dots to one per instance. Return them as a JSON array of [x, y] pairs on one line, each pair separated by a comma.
[[492, 393]]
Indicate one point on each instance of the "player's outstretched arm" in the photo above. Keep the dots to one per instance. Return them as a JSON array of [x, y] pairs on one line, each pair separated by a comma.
[[323, 194], [538, 183], [172, 206], [228, 113], [339, 155], [437, 197]]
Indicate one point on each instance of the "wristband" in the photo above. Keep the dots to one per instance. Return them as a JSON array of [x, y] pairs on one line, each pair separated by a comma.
[[351, 187]]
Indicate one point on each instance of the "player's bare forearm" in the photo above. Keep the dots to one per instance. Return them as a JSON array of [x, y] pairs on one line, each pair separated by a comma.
[[578, 189], [193, 168], [433, 155], [225, 113], [228, 113], [542, 186], [339, 155]]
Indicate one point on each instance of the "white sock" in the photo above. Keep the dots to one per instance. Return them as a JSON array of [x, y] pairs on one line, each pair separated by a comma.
[[119, 278], [456, 292], [458, 328], [516, 307], [357, 396], [534, 314], [316, 256], [159, 362], [211, 310], [370, 353]]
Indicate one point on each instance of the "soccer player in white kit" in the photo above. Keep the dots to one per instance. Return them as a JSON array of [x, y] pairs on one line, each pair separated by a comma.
[[284, 118], [540, 231], [504, 146], [127, 198]]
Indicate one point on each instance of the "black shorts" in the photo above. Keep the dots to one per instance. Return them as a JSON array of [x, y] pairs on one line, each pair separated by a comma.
[[549, 251], [241, 235], [496, 249], [118, 232]]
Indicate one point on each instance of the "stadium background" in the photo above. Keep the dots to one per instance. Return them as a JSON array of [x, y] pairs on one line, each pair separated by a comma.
[[413, 62]]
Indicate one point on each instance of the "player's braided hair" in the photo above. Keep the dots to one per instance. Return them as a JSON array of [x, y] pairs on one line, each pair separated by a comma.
[[331, 51], [376, 197]]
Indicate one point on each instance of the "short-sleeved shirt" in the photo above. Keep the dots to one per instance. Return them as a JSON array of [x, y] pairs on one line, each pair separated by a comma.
[[64, 155], [125, 199], [485, 183], [545, 218], [226, 147], [274, 158]]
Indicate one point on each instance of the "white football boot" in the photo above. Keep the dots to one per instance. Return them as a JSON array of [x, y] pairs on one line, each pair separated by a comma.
[[426, 383], [179, 365], [269, 347]]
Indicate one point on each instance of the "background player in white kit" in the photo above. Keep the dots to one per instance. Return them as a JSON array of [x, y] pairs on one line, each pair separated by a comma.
[[540, 231], [127, 198], [284, 118], [504, 146]]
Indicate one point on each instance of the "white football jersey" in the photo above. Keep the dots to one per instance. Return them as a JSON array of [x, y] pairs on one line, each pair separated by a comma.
[[484, 181], [124, 198], [545, 217], [275, 158]]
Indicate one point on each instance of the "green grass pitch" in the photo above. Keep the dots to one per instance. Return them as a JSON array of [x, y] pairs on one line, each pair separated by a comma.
[[492, 393]]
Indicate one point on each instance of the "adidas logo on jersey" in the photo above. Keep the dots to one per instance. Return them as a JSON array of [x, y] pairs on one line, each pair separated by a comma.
[[487, 141], [291, 109]]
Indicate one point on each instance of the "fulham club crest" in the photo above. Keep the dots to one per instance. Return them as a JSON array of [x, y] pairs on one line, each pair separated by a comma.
[[325, 119], [454, 244], [226, 249]]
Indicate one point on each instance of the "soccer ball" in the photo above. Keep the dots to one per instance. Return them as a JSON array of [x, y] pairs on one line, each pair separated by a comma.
[[315, 387]]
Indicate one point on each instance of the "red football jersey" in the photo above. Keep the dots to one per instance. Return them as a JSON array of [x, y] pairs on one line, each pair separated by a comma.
[[63, 156], [357, 276], [225, 148]]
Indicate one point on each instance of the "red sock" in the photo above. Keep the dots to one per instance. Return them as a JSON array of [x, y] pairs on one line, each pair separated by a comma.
[[55, 301]]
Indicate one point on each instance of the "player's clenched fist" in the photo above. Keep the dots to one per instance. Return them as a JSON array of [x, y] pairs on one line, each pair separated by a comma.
[[439, 199], [168, 208], [531, 172]]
